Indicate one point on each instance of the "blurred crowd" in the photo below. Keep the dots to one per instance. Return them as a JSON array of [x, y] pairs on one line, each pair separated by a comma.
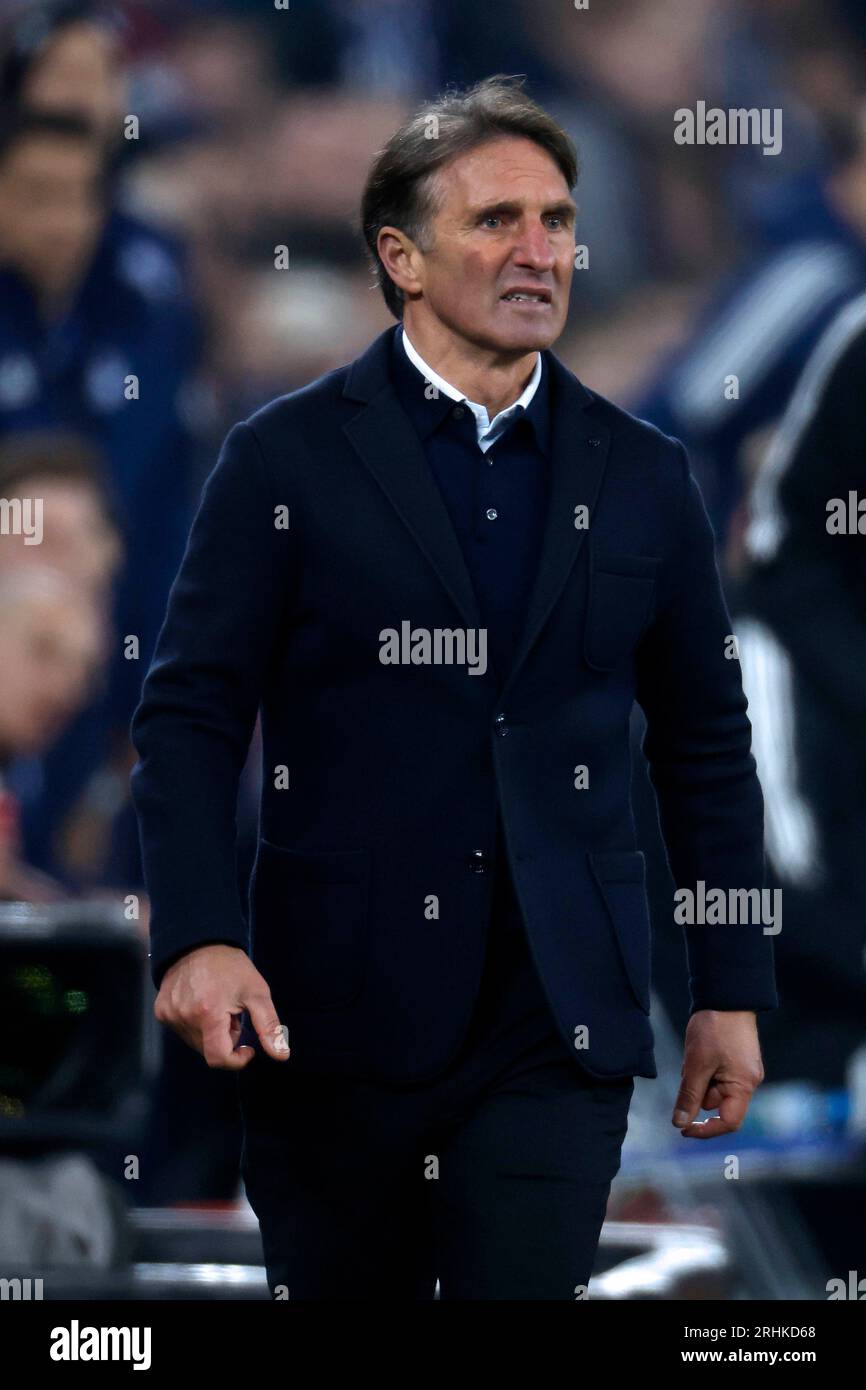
[[179, 182]]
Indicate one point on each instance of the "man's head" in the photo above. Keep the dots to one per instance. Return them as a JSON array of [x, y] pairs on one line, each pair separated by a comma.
[[51, 198], [80, 529], [468, 203], [66, 55], [53, 644]]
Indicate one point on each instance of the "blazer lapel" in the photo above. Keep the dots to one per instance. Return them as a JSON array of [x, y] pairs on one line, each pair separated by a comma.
[[383, 436], [579, 450]]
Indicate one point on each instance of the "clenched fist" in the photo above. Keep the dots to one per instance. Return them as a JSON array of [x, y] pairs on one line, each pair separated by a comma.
[[722, 1068], [202, 997]]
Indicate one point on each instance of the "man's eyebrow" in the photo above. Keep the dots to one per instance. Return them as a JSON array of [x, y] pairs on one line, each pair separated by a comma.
[[563, 208]]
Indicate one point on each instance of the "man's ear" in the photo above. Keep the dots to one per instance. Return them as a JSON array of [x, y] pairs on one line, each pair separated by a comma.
[[401, 258]]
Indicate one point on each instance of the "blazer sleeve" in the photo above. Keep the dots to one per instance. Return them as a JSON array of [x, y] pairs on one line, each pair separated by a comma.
[[698, 748], [192, 727]]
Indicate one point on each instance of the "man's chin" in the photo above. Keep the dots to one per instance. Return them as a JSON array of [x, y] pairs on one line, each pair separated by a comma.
[[541, 328], [522, 342]]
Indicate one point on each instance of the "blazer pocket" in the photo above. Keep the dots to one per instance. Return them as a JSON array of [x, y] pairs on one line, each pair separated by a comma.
[[621, 876], [621, 589], [311, 924]]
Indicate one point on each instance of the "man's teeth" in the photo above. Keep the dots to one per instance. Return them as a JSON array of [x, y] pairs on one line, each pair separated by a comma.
[[537, 298]]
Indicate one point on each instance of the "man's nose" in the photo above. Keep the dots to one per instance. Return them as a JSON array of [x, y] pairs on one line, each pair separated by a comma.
[[534, 248]]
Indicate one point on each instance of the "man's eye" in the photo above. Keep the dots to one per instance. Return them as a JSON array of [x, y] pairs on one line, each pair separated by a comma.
[[491, 217]]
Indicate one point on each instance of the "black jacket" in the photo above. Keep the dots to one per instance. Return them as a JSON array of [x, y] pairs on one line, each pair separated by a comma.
[[368, 902]]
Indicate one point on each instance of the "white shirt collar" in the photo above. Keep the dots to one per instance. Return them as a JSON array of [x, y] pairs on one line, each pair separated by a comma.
[[487, 430]]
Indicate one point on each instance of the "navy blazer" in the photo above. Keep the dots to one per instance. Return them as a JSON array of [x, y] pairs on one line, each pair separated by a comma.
[[319, 528]]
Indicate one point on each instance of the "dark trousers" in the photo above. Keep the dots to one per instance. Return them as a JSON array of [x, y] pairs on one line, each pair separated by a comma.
[[493, 1178]]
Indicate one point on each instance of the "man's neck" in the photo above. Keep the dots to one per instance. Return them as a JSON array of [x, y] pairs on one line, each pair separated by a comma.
[[487, 378]]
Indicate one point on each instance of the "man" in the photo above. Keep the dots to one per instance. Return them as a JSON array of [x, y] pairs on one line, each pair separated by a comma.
[[804, 597], [87, 344], [762, 322], [56, 482], [67, 56], [51, 649], [439, 1112]]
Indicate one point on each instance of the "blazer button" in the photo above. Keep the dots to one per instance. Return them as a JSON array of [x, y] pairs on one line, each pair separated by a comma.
[[594, 442], [478, 861], [501, 726]]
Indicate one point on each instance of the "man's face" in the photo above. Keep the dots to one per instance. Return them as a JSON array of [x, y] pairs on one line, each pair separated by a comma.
[[79, 71], [52, 644], [76, 538], [50, 211], [505, 223]]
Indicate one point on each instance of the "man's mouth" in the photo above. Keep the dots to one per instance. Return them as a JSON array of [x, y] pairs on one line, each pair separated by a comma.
[[526, 297]]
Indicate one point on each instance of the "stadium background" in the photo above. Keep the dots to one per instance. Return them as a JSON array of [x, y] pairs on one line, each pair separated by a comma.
[[154, 159]]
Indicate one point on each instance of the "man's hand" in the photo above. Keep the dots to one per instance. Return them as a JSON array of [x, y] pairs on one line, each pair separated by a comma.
[[721, 1068], [202, 996]]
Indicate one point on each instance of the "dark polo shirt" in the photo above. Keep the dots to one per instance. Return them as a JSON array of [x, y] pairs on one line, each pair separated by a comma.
[[496, 500], [497, 503]]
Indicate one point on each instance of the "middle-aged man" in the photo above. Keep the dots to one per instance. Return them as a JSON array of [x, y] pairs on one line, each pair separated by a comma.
[[444, 573]]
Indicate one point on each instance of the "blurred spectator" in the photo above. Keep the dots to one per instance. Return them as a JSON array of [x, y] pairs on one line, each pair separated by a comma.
[[732, 376], [63, 56], [51, 645], [50, 221], [66, 57], [78, 523], [96, 334], [804, 668], [59, 528], [737, 368]]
